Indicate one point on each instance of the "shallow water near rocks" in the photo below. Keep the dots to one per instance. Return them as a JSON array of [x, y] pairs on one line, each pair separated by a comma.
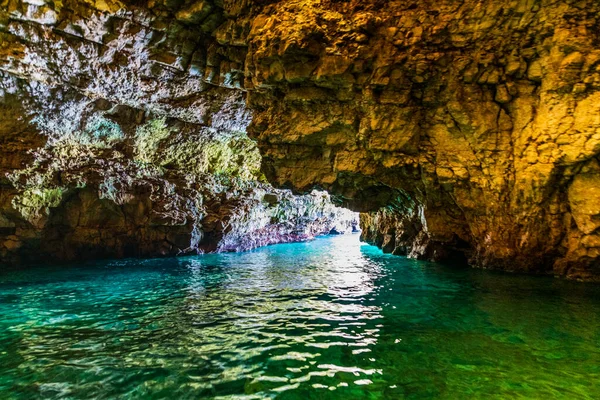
[[333, 318]]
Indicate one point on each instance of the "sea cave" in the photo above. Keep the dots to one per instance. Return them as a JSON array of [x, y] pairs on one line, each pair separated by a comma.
[[299, 199]]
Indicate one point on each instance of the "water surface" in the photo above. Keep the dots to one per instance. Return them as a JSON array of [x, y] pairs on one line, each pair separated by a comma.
[[329, 319]]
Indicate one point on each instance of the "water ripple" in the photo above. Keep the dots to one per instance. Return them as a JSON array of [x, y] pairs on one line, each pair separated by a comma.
[[328, 319]]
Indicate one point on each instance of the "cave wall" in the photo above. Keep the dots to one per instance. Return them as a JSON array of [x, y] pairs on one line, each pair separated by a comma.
[[122, 136], [476, 123], [454, 126]]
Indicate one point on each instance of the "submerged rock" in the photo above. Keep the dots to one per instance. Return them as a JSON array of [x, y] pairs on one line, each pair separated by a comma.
[[456, 128]]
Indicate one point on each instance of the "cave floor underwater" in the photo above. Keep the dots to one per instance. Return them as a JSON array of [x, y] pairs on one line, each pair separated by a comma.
[[327, 319]]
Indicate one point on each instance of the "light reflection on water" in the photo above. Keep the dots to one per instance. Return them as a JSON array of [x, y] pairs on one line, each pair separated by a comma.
[[326, 319]]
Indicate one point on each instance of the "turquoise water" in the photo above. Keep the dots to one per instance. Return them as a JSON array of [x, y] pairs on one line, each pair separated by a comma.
[[330, 319]]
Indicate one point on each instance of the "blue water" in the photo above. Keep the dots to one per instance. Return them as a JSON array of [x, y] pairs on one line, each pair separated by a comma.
[[328, 319]]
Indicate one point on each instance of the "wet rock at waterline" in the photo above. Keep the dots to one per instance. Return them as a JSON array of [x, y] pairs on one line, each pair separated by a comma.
[[457, 128]]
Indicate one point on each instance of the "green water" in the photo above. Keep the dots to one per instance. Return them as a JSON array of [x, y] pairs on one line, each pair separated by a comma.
[[330, 319]]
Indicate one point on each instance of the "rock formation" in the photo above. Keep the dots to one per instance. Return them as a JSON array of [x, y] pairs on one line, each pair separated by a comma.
[[457, 128], [475, 123], [110, 151]]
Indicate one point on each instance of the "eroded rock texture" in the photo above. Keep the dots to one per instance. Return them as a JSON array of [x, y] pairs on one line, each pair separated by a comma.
[[122, 136], [475, 122], [458, 127]]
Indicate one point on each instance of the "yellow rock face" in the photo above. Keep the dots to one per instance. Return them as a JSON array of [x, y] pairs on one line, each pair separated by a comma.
[[476, 120]]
